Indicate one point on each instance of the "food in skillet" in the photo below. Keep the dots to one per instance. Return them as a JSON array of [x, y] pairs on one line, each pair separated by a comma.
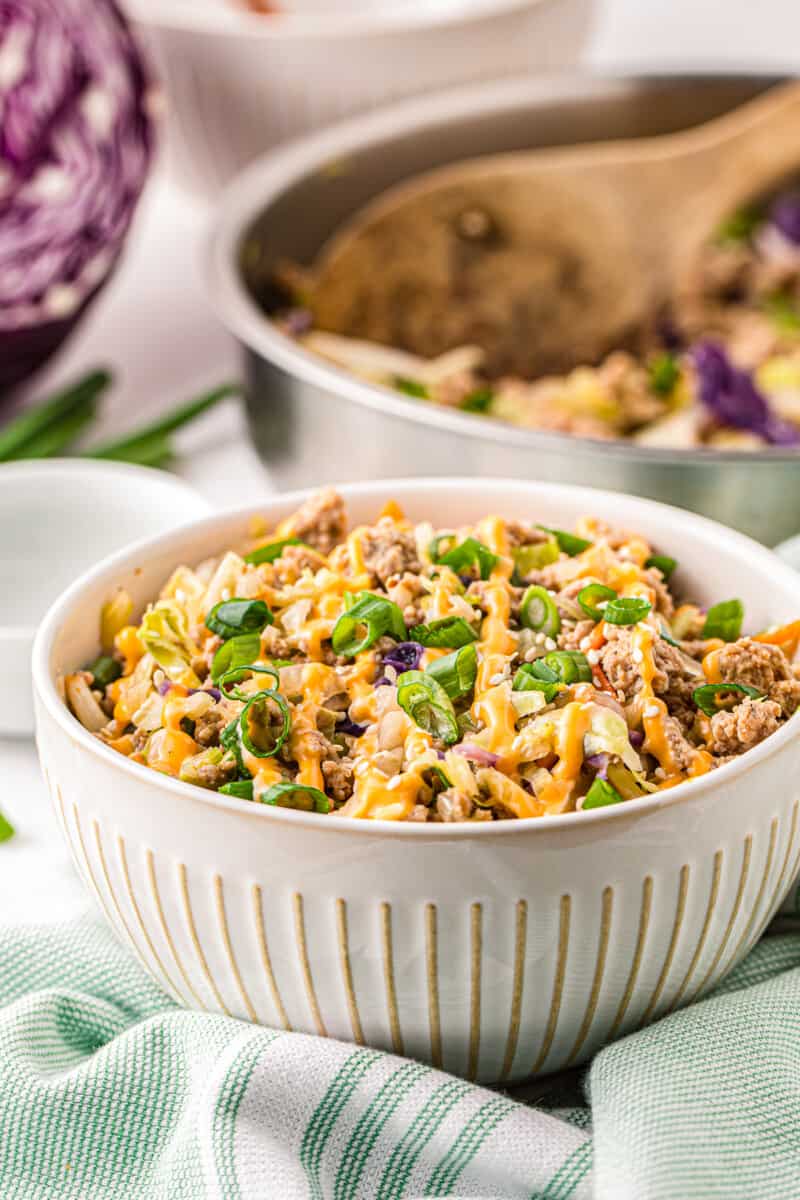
[[419, 673], [721, 369]]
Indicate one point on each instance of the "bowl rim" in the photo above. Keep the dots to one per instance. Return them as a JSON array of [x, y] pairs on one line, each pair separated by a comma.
[[270, 175], [47, 693], [394, 17], [71, 469]]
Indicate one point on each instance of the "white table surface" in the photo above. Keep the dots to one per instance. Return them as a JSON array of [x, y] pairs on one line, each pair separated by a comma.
[[154, 327]]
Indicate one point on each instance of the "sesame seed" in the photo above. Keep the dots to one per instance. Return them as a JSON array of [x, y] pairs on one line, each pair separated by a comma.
[[531, 655], [540, 639], [550, 644], [585, 643], [593, 657]]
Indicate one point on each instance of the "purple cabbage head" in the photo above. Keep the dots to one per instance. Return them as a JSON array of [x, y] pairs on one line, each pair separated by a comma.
[[732, 398], [785, 215], [75, 146]]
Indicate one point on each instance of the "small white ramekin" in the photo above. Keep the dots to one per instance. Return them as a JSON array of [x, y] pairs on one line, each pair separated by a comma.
[[58, 518], [497, 951], [238, 84]]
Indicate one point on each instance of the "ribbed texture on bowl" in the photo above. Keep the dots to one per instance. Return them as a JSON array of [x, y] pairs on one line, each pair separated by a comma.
[[496, 960]]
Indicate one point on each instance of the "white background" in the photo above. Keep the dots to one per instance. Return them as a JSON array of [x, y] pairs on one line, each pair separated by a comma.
[[153, 326]]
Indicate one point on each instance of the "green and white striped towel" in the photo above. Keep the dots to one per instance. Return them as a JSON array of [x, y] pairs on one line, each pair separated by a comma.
[[108, 1091]]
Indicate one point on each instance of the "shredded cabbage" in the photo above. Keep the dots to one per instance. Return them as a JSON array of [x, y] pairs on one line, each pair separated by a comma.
[[165, 634]]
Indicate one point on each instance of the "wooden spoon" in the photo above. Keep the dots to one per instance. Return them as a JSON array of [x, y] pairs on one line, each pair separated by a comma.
[[549, 258]]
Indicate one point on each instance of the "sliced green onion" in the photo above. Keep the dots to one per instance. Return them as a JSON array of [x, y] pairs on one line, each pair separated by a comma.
[[236, 675], [229, 740], [446, 633], [411, 387], [6, 829], [600, 795], [456, 672], [296, 795], [739, 226], [536, 677], [254, 702], [230, 618], [664, 372], [479, 401], [535, 556], [710, 697], [242, 788], [538, 611], [782, 310], [236, 652], [724, 620], [626, 610], [435, 543], [570, 543], [667, 636], [623, 779], [271, 551], [105, 670], [571, 666], [153, 450], [367, 618], [59, 436], [439, 774], [55, 414], [469, 553], [466, 725], [592, 596], [662, 563], [428, 705], [130, 448]]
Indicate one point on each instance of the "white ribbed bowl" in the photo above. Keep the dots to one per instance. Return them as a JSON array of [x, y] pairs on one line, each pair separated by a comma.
[[238, 84], [496, 951]]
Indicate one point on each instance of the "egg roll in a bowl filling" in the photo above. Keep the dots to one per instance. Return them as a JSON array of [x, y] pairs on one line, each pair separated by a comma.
[[419, 672]]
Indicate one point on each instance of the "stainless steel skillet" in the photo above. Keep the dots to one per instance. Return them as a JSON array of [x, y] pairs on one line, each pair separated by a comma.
[[313, 423]]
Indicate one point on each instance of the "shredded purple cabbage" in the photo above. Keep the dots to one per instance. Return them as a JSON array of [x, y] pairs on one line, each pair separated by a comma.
[[75, 146], [599, 763], [350, 727], [165, 687], [212, 691], [405, 656], [298, 321], [477, 754], [732, 398], [785, 215]]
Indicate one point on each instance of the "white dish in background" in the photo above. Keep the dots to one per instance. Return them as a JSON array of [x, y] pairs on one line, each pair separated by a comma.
[[496, 950], [58, 518], [238, 83], [789, 551]]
